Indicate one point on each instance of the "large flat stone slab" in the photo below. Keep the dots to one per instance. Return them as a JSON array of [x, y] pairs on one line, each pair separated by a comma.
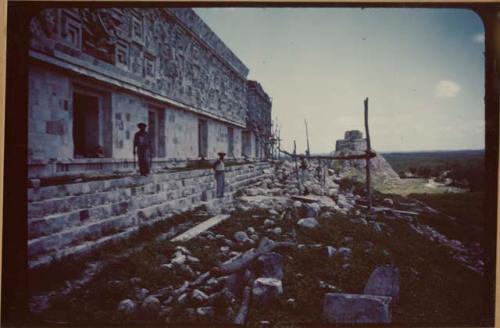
[[384, 281], [205, 225], [356, 308]]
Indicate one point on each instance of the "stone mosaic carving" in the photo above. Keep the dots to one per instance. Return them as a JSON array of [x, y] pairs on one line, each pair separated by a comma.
[[171, 52]]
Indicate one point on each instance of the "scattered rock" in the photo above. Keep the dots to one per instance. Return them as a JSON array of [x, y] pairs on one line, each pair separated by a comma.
[[270, 265], [384, 281], [166, 266], [179, 259], [308, 223], [151, 306], [187, 269], [345, 251], [254, 237], [297, 203], [268, 223], [205, 311], [241, 237], [353, 308], [235, 283], [331, 251], [127, 307], [273, 212], [348, 239], [141, 294], [183, 250], [182, 298], [265, 290], [251, 230], [388, 202], [377, 227], [199, 296], [135, 281], [277, 231], [312, 209]]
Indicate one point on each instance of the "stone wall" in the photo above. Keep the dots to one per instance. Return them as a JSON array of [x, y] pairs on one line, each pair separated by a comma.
[[116, 67], [74, 219], [150, 48], [259, 119], [48, 115]]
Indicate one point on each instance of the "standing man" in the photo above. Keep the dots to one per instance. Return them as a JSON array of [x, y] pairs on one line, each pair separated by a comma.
[[143, 149], [219, 174]]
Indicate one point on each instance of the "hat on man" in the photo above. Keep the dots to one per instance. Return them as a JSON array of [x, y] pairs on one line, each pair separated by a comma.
[[141, 125]]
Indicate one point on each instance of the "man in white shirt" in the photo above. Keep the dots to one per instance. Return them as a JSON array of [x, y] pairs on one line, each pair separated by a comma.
[[219, 174]]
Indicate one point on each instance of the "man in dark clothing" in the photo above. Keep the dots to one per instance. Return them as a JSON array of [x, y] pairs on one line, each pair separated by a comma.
[[143, 149], [219, 174]]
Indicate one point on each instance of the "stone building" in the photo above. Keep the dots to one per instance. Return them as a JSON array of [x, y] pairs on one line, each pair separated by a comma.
[[95, 73], [353, 141], [257, 135]]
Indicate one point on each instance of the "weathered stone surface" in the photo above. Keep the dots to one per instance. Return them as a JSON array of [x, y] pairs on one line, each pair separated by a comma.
[[354, 308], [384, 281], [266, 290], [345, 251], [308, 223], [127, 307], [151, 306], [241, 237], [312, 209], [205, 311], [331, 251], [199, 296], [141, 294], [270, 265]]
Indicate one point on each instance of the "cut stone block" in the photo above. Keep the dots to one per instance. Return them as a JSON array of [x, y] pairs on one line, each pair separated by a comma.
[[356, 308], [384, 281]]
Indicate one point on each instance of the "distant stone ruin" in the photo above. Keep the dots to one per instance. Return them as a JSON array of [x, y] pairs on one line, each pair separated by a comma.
[[353, 144]]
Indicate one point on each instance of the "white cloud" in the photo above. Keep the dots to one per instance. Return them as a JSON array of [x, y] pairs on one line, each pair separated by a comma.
[[478, 38], [446, 89]]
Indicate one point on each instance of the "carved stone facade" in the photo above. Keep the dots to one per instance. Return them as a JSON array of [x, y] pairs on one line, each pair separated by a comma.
[[259, 122], [107, 69]]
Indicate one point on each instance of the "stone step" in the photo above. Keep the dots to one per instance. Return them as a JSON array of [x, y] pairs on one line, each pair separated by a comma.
[[75, 189], [86, 247], [38, 227], [72, 203]]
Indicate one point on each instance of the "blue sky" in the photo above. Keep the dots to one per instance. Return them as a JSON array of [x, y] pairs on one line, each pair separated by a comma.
[[422, 69]]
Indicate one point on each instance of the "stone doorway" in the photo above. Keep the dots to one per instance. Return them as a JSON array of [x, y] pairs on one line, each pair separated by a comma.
[[156, 131], [86, 126], [202, 138]]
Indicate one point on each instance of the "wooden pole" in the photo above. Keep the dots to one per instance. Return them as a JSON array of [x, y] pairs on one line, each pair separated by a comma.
[[307, 138], [368, 151], [347, 157], [296, 166]]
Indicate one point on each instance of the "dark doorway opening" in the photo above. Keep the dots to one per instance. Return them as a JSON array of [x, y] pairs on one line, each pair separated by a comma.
[[86, 126], [230, 141], [202, 138]]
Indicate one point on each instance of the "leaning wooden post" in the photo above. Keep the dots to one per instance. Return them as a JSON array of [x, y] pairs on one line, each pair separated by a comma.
[[296, 167], [368, 151]]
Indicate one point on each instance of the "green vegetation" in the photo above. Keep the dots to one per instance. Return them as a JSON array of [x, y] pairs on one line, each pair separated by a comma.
[[462, 215], [435, 289], [466, 167]]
